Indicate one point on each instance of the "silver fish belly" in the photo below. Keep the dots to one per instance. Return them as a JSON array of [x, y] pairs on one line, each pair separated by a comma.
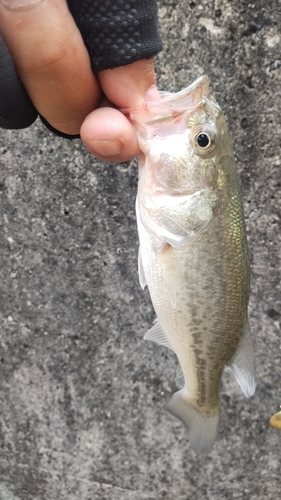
[[193, 251]]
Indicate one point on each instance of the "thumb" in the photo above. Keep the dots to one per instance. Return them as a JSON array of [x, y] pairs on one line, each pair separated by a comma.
[[126, 86], [107, 132]]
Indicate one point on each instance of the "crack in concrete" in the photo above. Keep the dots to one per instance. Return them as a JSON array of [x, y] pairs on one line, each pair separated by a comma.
[[73, 476]]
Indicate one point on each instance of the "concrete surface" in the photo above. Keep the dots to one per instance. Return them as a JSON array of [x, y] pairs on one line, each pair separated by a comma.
[[81, 393]]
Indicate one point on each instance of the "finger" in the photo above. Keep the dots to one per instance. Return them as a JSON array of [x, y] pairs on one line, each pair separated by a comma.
[[51, 60], [107, 133]]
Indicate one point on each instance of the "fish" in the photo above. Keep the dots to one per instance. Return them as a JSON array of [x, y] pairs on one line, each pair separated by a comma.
[[193, 253]]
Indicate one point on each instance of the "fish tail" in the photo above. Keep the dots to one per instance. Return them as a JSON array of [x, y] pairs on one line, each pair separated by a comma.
[[202, 428]]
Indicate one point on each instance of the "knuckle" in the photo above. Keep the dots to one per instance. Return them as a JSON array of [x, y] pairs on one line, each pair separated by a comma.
[[50, 60]]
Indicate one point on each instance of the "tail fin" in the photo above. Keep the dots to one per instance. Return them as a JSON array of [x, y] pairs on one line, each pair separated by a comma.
[[202, 429]]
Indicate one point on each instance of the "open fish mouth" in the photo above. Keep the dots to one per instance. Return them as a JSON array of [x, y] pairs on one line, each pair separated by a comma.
[[169, 105], [186, 109]]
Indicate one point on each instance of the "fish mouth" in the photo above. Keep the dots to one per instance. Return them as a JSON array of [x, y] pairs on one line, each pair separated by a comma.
[[190, 96], [171, 105]]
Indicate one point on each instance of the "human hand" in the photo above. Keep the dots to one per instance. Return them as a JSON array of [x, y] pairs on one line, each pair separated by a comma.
[[54, 66]]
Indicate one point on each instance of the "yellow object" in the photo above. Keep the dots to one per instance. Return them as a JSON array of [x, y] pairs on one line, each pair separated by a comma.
[[275, 420]]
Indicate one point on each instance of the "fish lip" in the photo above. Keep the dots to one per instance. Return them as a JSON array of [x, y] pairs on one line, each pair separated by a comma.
[[201, 86], [171, 104]]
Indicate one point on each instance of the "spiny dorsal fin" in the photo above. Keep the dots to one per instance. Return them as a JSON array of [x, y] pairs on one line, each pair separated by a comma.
[[157, 334]]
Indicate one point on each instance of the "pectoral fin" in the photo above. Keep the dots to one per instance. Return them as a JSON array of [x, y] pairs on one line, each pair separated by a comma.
[[142, 278], [157, 334], [170, 284], [242, 363], [169, 272]]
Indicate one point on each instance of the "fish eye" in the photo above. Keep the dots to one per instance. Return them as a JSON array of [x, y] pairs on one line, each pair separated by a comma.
[[203, 140]]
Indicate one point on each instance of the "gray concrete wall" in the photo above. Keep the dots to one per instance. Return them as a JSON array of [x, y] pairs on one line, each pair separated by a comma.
[[81, 393]]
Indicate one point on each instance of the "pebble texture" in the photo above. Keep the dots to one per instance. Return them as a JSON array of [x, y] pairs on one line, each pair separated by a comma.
[[81, 393]]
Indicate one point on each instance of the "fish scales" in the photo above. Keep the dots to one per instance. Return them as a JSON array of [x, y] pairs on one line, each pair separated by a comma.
[[193, 250]]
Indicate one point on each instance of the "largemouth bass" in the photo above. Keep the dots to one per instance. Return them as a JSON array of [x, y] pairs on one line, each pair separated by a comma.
[[193, 250]]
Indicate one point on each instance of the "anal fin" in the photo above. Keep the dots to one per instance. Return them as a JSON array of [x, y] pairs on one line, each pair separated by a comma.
[[157, 334]]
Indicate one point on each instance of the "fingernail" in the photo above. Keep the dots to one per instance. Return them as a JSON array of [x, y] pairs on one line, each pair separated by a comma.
[[20, 4], [105, 148]]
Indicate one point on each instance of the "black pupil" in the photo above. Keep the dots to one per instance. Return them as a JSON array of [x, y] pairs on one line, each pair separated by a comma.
[[203, 140]]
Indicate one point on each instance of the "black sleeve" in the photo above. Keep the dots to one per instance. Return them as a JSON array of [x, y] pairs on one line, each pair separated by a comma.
[[16, 109], [117, 32]]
